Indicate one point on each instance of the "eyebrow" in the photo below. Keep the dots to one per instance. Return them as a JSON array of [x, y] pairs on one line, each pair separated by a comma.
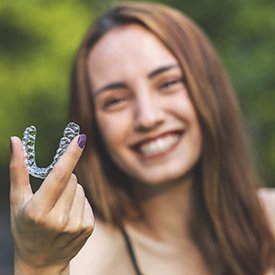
[[161, 70], [123, 85], [111, 86]]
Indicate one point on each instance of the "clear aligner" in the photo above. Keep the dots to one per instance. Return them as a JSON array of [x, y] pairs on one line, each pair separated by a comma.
[[71, 130]]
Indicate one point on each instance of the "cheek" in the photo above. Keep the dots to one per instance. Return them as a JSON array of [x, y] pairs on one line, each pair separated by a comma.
[[113, 128], [183, 108]]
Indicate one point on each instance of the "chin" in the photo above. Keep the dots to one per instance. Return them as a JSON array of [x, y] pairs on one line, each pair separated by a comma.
[[160, 178]]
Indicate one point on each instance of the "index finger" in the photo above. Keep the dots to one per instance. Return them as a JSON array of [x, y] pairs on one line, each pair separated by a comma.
[[56, 181]]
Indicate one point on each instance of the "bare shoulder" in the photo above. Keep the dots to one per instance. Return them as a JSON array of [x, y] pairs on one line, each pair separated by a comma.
[[103, 253], [267, 199]]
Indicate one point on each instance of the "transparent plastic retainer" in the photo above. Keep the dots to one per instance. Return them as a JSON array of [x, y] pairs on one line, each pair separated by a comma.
[[28, 140]]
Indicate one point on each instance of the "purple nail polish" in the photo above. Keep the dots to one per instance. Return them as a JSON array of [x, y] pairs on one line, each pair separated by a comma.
[[81, 141]]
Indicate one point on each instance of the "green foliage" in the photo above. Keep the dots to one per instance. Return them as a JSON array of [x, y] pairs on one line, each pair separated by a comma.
[[38, 40]]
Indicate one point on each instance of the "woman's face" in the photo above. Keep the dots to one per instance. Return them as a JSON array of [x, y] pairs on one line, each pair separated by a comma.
[[143, 110]]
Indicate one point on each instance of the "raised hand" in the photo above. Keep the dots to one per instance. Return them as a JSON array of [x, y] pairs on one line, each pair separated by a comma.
[[49, 226]]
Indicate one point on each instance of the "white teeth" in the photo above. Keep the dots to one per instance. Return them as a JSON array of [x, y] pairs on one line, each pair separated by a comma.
[[159, 145]]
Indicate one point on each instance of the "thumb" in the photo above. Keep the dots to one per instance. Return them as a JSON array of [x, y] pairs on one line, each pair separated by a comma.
[[20, 188]]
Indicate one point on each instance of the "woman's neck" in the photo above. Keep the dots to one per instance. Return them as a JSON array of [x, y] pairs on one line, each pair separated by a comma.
[[166, 210]]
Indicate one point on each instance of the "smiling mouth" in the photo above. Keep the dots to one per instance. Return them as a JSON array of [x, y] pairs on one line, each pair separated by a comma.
[[158, 146]]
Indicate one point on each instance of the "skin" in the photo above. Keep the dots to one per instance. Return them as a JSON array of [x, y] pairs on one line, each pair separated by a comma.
[[128, 96], [138, 87], [51, 226]]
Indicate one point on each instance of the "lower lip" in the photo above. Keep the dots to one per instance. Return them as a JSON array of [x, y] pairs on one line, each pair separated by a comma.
[[160, 154]]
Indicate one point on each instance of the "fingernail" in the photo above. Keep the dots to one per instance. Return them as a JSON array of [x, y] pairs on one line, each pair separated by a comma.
[[81, 141], [11, 150]]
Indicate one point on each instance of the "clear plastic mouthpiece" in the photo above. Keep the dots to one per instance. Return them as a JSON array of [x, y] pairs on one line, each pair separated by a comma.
[[71, 130]]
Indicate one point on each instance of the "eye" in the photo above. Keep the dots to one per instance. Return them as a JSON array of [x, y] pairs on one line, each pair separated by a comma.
[[114, 102], [171, 84]]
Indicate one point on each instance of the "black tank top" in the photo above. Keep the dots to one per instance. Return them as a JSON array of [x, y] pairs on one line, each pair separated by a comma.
[[131, 252]]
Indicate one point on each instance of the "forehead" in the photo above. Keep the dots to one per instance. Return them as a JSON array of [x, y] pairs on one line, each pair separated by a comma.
[[127, 50]]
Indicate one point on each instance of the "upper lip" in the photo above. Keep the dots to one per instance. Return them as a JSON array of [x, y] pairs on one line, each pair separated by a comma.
[[150, 138]]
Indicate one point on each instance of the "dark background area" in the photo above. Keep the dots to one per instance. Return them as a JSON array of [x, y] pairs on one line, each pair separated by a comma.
[[38, 40]]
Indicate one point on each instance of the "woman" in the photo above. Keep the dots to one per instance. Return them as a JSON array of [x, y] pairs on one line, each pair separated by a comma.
[[166, 167]]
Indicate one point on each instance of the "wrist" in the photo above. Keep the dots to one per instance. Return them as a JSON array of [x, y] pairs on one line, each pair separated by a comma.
[[24, 268]]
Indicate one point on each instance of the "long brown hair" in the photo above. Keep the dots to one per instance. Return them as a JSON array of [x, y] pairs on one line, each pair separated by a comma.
[[229, 226]]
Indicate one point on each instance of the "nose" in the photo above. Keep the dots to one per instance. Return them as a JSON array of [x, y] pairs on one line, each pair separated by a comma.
[[149, 113]]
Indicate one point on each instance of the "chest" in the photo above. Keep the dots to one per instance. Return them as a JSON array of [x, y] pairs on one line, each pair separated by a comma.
[[154, 258]]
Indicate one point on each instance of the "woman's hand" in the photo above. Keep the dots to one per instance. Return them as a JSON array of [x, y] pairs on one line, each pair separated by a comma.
[[49, 226]]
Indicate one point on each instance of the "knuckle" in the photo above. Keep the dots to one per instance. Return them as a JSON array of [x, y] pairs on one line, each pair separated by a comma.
[[60, 174], [33, 216], [57, 225], [88, 225], [88, 229], [15, 165], [80, 229], [72, 227], [72, 230], [61, 221]]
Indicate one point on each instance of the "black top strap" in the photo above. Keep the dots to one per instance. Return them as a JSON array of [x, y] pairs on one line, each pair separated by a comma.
[[130, 251]]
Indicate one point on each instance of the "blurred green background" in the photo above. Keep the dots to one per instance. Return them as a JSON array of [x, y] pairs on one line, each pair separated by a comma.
[[38, 40]]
